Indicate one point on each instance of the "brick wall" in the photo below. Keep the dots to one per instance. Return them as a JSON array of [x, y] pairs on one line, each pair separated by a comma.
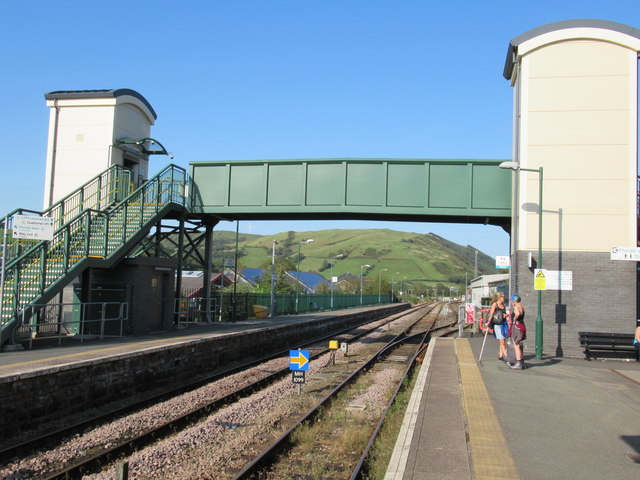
[[603, 298], [150, 291]]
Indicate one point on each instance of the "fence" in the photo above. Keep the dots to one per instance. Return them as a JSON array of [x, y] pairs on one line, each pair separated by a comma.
[[59, 320], [193, 309]]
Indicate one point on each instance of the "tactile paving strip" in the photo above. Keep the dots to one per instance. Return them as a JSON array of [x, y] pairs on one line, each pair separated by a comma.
[[490, 455]]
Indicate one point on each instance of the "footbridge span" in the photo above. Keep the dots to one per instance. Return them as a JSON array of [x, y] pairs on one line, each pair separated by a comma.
[[465, 191]]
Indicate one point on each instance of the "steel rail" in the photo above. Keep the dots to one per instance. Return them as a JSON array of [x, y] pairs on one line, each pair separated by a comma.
[[357, 471], [265, 458], [75, 469], [51, 438]]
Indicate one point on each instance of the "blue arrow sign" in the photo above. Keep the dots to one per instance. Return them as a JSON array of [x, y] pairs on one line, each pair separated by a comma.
[[299, 360]]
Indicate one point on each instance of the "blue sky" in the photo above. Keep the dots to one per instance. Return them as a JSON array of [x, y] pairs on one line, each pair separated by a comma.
[[233, 80]]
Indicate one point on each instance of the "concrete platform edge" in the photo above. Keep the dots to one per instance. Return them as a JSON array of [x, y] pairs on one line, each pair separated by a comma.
[[398, 462]]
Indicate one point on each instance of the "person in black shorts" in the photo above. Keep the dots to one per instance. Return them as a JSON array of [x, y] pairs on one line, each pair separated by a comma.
[[518, 331]]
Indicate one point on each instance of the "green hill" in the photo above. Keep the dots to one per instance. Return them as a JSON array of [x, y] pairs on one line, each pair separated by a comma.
[[421, 260]]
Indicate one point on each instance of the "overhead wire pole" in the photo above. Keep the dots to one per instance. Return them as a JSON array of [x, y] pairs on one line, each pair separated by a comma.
[[308, 240], [361, 267], [380, 284]]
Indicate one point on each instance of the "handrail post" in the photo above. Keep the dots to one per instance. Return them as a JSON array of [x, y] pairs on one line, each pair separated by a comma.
[[30, 326], [142, 194], [83, 317], [125, 212], [4, 267], [121, 319], [158, 193], [104, 309], [65, 254], [43, 268], [87, 225], [106, 236]]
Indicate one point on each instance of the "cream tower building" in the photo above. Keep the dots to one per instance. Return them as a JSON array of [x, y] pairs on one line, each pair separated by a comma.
[[91, 130], [576, 115]]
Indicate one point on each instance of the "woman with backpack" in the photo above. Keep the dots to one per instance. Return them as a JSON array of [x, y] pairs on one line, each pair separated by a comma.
[[497, 317], [518, 331]]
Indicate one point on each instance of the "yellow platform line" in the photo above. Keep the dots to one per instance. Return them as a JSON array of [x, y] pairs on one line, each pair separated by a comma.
[[490, 455]]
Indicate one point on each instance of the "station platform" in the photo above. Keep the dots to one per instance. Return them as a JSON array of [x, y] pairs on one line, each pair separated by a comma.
[[558, 418], [46, 354]]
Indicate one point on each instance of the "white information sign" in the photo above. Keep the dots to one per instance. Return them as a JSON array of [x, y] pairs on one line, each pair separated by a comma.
[[559, 279], [503, 262], [625, 253], [33, 228]]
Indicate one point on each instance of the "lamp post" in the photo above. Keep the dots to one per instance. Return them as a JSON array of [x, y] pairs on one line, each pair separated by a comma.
[[308, 240], [332, 262], [380, 284], [361, 267], [273, 281], [515, 166], [393, 276]]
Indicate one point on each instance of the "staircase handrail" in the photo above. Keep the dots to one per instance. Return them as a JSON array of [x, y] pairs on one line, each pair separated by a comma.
[[68, 207], [89, 245], [96, 213]]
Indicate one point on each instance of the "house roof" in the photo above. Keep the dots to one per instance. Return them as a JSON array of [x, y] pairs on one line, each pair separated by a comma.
[[253, 275], [311, 280], [193, 279]]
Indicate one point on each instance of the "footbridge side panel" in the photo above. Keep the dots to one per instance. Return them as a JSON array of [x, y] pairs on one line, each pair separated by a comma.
[[465, 191]]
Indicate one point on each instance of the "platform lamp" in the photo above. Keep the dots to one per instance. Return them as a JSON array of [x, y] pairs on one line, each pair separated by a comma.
[[380, 284], [393, 276], [361, 267], [515, 166], [332, 262], [308, 240]]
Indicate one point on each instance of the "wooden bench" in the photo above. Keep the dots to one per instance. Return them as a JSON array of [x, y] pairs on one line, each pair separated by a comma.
[[608, 345]]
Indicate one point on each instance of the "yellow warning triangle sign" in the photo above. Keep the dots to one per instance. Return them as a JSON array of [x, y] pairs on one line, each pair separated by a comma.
[[540, 274]]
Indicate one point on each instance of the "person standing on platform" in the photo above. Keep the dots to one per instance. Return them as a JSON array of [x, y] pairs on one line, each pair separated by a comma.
[[518, 331], [498, 308], [636, 340]]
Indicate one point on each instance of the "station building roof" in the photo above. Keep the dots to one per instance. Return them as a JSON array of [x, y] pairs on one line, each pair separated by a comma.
[[100, 93], [512, 52]]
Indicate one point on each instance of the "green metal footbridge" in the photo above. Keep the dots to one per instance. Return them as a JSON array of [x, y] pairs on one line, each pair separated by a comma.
[[106, 220]]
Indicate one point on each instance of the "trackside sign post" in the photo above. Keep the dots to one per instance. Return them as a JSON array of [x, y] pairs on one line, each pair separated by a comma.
[[298, 377], [298, 364]]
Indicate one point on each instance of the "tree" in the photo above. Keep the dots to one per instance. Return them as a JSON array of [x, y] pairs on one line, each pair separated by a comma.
[[281, 265]]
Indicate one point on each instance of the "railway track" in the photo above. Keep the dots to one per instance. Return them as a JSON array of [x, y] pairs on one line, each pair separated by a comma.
[[291, 455], [93, 458]]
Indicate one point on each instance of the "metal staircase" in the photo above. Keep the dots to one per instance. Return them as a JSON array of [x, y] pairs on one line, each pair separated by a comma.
[[93, 237], [99, 193]]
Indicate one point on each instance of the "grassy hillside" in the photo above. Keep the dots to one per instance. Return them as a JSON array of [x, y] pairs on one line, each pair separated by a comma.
[[422, 260]]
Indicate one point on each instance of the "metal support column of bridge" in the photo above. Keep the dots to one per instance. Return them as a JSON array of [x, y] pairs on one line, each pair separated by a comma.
[[208, 269], [179, 267]]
